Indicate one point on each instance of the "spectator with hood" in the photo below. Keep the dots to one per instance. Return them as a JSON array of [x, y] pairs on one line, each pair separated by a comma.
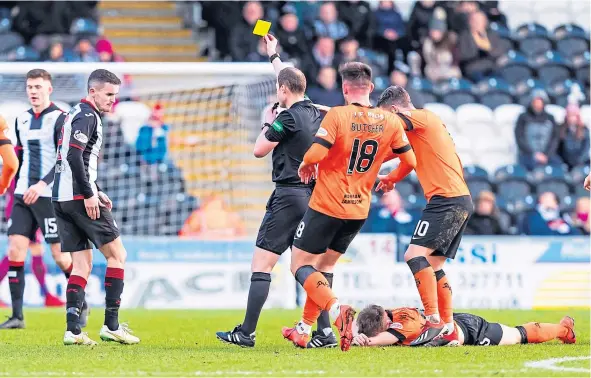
[[485, 220], [537, 134], [418, 22], [328, 23], [242, 41], [326, 92], [479, 48], [438, 50], [574, 138], [358, 16], [290, 35], [546, 220]]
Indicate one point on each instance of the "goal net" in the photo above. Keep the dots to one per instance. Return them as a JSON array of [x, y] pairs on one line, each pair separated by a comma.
[[177, 155]]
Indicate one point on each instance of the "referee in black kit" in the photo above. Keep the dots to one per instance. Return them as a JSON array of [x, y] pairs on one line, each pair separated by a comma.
[[289, 136]]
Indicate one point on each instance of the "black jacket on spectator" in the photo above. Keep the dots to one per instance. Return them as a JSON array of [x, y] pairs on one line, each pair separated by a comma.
[[242, 41], [294, 44], [491, 8], [42, 17], [475, 63], [418, 24], [328, 97], [537, 133], [222, 16], [484, 225], [572, 150], [359, 18]]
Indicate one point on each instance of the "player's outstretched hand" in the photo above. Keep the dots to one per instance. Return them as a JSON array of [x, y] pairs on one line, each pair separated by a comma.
[[32, 194], [92, 207], [361, 340], [271, 42], [307, 173], [587, 183], [385, 184], [105, 201]]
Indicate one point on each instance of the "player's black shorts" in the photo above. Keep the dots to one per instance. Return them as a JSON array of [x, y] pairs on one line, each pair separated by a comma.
[[478, 331], [318, 232], [285, 209], [26, 219], [442, 224], [77, 230]]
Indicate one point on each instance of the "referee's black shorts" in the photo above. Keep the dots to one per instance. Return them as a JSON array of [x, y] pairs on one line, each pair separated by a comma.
[[77, 230], [285, 209]]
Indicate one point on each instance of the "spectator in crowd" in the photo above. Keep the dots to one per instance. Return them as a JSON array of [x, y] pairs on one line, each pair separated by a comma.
[[485, 220], [546, 219], [479, 48], [400, 79], [242, 41], [222, 16], [438, 50], [84, 51], [391, 216], [574, 138], [326, 92], [260, 54], [323, 55], [55, 52], [359, 18], [213, 221], [307, 12], [290, 35], [41, 17], [151, 141], [105, 51], [390, 31], [580, 217], [418, 22], [491, 9], [328, 23], [460, 13], [537, 134]]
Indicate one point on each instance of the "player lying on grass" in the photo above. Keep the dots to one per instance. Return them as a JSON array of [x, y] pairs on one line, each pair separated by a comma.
[[376, 326]]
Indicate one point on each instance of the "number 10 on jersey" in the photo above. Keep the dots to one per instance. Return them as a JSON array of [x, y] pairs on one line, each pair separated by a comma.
[[362, 158]]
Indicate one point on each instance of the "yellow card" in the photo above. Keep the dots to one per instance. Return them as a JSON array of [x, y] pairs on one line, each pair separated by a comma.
[[261, 28]]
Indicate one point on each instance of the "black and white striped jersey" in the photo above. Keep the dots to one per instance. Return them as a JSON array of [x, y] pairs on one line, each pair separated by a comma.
[[36, 143], [78, 151]]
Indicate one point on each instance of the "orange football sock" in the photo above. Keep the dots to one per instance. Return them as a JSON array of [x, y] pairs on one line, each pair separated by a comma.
[[426, 283], [311, 311], [319, 291], [542, 332], [444, 297]]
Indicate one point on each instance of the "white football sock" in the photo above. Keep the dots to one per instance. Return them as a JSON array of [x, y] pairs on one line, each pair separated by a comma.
[[335, 310], [433, 318], [302, 328], [450, 327], [327, 331]]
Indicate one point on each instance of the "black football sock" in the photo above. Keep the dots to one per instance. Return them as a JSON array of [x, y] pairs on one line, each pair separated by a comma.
[[16, 282], [324, 319], [257, 296], [113, 290], [74, 300]]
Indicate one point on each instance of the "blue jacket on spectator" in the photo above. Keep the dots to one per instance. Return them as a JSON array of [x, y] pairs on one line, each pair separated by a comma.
[[336, 30], [152, 147], [534, 224], [389, 19]]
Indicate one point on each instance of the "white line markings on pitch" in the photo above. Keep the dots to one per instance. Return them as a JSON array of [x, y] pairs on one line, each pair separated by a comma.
[[550, 364]]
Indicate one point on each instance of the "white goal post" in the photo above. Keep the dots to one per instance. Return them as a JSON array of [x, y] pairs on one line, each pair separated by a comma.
[[213, 111]]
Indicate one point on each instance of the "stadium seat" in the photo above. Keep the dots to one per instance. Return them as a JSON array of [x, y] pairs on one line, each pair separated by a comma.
[[561, 89], [512, 182], [567, 203], [551, 67], [505, 35], [414, 202], [5, 25], [551, 179], [445, 112], [456, 92], [10, 41], [533, 39], [469, 115], [24, 54], [493, 92], [580, 65], [571, 40], [506, 115], [556, 111], [406, 188], [513, 67], [84, 26], [477, 179], [381, 83], [425, 88]]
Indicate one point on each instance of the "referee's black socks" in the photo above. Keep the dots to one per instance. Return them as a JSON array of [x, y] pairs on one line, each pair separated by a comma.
[[16, 282], [113, 290], [257, 296], [74, 300]]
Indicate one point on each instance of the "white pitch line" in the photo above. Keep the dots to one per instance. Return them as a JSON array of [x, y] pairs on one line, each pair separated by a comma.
[[550, 364]]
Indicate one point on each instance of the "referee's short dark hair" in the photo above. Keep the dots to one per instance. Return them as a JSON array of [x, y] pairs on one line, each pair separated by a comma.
[[293, 79], [100, 77], [394, 95], [356, 73], [39, 73]]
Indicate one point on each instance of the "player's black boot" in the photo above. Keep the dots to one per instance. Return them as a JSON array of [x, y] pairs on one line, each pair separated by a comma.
[[13, 323], [84, 314], [320, 340], [237, 337]]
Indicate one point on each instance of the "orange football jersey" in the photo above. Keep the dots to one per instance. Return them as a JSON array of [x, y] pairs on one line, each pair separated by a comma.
[[439, 168], [359, 138], [405, 323]]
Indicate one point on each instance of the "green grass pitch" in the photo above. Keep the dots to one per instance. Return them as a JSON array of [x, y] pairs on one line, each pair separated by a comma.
[[183, 343]]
